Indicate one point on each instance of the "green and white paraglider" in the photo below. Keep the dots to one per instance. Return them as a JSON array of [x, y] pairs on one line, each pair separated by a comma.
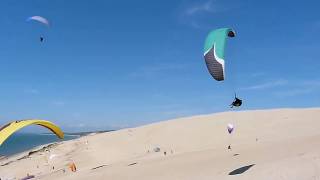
[[214, 48], [214, 55]]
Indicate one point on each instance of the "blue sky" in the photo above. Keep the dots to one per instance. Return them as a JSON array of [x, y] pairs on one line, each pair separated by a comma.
[[113, 64]]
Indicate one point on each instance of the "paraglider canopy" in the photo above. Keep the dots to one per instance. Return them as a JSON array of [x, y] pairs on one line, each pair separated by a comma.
[[230, 128], [214, 52], [39, 19], [10, 128]]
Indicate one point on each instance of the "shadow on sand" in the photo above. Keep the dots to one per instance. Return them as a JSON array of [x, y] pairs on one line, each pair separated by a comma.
[[241, 170]]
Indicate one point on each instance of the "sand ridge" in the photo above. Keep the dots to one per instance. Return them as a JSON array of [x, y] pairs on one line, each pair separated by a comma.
[[266, 144]]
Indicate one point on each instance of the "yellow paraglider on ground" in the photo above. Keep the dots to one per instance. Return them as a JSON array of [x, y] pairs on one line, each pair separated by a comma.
[[10, 128]]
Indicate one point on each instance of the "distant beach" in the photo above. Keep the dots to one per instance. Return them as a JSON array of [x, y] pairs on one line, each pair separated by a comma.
[[20, 142]]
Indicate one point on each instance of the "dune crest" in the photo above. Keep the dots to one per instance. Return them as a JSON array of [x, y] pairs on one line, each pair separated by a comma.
[[266, 144]]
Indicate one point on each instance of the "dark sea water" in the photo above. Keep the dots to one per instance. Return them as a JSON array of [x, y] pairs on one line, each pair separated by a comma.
[[20, 142]]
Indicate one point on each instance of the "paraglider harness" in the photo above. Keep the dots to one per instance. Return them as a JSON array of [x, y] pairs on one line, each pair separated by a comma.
[[236, 102]]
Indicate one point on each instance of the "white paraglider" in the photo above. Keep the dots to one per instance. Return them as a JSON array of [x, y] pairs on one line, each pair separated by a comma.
[[230, 128], [39, 19]]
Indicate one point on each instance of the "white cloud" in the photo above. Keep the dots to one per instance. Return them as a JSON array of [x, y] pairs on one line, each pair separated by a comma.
[[76, 115], [300, 88], [194, 14], [316, 25], [181, 112], [81, 125], [158, 68], [312, 83], [58, 103], [293, 92], [77, 125], [258, 74], [31, 91], [267, 85], [206, 7]]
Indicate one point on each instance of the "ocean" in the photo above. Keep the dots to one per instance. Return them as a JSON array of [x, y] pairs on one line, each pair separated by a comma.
[[20, 142]]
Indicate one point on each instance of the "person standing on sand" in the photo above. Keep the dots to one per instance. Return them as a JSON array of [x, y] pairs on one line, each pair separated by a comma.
[[73, 167]]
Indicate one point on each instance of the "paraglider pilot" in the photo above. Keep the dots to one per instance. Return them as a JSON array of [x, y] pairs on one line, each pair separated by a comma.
[[236, 102], [41, 39]]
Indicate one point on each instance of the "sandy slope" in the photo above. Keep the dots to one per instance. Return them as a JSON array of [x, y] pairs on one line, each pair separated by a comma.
[[278, 144]]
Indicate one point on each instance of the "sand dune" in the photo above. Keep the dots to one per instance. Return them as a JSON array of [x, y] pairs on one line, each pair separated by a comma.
[[266, 144]]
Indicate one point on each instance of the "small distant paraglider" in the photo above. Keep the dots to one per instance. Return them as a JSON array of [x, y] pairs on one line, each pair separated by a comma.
[[41, 20], [230, 128]]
